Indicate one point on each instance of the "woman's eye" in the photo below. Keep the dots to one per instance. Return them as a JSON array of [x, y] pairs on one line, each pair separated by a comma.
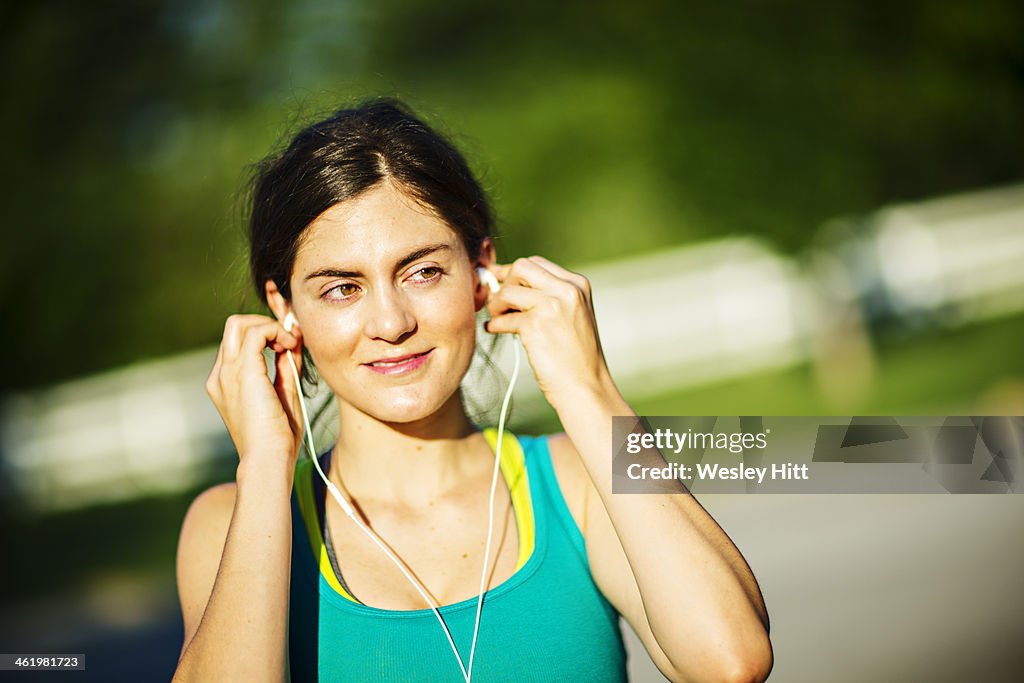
[[426, 274], [342, 291]]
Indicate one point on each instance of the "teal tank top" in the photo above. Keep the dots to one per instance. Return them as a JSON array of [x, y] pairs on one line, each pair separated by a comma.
[[547, 622]]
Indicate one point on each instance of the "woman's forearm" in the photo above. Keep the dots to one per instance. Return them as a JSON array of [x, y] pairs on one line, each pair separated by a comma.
[[243, 632], [699, 596]]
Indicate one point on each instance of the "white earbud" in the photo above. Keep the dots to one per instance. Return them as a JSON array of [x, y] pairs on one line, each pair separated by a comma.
[[289, 321], [487, 277]]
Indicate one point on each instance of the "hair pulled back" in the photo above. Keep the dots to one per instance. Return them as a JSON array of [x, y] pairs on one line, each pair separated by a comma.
[[345, 155]]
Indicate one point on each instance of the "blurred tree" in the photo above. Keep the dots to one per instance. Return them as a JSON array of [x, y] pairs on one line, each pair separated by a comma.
[[602, 129]]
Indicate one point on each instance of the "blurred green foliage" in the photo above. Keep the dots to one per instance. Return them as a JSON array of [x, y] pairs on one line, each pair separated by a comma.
[[142, 533], [968, 371], [601, 129]]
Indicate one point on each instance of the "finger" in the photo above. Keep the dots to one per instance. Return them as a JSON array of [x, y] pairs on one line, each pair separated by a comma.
[[238, 327], [506, 323], [285, 375], [287, 388], [525, 272], [281, 343], [235, 328], [213, 380], [558, 271], [499, 270], [258, 336], [515, 298]]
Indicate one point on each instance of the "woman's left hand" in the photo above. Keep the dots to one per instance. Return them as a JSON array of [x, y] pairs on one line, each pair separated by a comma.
[[551, 310]]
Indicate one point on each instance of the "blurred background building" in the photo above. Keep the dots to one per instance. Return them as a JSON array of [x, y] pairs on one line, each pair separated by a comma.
[[783, 209]]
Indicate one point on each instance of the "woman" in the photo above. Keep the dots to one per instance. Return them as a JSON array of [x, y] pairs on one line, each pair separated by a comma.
[[368, 230]]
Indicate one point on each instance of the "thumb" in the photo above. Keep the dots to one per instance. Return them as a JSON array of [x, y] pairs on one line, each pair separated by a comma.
[[287, 388]]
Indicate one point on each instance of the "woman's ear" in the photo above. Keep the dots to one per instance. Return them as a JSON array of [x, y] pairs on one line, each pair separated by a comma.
[[275, 299], [487, 255], [484, 258]]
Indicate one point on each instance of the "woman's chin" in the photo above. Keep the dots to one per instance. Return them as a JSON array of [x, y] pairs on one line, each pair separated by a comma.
[[404, 410]]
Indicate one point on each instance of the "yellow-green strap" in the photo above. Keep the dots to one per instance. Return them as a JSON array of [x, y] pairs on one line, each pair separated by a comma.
[[307, 505], [513, 469]]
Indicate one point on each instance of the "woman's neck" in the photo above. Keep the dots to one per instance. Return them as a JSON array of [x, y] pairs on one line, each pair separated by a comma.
[[409, 463]]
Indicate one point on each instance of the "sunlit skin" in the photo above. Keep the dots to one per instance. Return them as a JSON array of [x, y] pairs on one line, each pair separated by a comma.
[[376, 277], [379, 276], [383, 309]]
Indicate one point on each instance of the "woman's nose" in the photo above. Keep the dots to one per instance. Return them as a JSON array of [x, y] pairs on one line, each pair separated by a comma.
[[389, 317]]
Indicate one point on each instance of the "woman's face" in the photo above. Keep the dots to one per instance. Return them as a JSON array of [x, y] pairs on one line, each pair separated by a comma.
[[385, 295]]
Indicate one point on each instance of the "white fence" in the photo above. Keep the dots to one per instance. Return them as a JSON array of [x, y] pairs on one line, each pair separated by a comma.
[[676, 318]]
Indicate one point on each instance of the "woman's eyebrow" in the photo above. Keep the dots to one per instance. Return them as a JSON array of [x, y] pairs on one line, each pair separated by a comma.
[[404, 261]]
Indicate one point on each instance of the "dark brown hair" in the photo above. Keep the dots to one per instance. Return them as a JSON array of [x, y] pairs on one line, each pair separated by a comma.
[[343, 156]]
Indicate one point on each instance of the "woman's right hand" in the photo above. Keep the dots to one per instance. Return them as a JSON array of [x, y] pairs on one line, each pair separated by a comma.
[[262, 417]]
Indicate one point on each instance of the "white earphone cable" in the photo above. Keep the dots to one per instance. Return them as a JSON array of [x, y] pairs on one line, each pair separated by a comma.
[[490, 505], [351, 513]]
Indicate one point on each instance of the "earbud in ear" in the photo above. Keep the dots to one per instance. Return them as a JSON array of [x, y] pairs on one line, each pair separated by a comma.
[[289, 321], [487, 277]]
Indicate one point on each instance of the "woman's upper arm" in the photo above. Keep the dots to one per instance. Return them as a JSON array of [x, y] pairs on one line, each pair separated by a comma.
[[608, 563], [200, 547]]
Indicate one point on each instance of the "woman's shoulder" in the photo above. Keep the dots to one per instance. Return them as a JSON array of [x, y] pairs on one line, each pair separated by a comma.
[[200, 546], [570, 474], [211, 504], [558, 445], [205, 527]]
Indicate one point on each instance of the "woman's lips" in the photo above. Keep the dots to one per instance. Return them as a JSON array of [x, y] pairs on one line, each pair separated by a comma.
[[401, 367]]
